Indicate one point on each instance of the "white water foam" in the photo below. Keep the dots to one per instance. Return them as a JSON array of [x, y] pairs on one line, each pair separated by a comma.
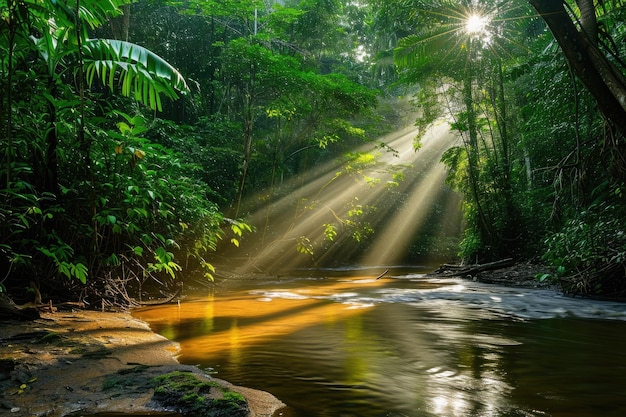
[[460, 298]]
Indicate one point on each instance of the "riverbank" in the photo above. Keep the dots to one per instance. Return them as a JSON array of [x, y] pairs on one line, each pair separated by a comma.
[[524, 275], [90, 362]]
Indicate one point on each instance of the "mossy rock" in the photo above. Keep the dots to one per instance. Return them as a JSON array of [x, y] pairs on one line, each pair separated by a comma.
[[189, 395], [50, 337]]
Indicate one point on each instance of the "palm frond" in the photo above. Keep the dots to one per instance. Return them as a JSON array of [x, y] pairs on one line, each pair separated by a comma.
[[136, 69]]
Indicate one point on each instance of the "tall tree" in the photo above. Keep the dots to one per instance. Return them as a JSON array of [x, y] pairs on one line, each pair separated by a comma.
[[464, 44], [597, 69]]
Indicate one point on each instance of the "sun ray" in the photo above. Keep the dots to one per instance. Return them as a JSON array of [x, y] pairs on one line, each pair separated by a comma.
[[406, 221], [302, 212]]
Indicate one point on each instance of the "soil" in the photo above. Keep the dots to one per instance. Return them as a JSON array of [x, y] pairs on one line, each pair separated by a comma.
[[83, 363]]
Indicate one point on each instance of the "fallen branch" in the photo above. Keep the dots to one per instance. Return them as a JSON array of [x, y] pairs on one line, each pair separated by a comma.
[[383, 274], [465, 270], [158, 301]]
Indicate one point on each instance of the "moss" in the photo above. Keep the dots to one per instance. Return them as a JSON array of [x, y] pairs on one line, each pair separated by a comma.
[[49, 337], [113, 382], [134, 370], [187, 394], [233, 396]]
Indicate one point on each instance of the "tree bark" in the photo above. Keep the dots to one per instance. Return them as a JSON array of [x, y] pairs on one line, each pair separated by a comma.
[[120, 25], [588, 20], [472, 148], [605, 82]]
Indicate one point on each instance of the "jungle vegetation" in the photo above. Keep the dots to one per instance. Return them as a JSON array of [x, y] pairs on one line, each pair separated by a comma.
[[135, 132]]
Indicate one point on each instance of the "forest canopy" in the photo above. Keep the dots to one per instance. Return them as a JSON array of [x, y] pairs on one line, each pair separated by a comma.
[[138, 137]]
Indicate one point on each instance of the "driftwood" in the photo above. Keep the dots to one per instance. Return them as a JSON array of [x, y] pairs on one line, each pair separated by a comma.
[[383, 274], [65, 305], [450, 270], [158, 301]]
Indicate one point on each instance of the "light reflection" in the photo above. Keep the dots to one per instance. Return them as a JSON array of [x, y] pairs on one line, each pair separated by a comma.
[[460, 380], [324, 197], [433, 357], [255, 318], [235, 345], [439, 405]]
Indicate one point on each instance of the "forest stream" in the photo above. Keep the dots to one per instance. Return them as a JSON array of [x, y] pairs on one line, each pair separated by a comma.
[[343, 343]]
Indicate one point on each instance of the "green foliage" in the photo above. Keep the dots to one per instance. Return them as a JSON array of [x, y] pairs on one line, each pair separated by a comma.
[[89, 202], [238, 228], [98, 192], [330, 232], [304, 246], [142, 71], [61, 254], [589, 251]]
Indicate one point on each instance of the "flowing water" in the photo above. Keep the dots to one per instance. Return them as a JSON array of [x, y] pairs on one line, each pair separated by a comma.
[[405, 345]]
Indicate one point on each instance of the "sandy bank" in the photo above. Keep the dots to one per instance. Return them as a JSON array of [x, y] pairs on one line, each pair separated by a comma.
[[90, 362]]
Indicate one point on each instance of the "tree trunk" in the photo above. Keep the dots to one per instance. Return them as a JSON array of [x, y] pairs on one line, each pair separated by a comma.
[[121, 24], [248, 120], [472, 148], [588, 20], [605, 82]]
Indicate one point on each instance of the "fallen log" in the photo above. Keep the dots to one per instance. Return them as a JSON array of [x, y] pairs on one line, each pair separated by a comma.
[[450, 270]]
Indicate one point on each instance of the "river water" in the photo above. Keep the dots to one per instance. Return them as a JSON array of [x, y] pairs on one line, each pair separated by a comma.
[[345, 344]]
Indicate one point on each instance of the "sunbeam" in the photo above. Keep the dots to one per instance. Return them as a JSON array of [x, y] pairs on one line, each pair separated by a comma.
[[375, 219], [425, 189], [476, 23], [484, 25]]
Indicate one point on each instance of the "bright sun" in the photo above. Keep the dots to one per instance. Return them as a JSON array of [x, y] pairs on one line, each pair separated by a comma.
[[476, 23]]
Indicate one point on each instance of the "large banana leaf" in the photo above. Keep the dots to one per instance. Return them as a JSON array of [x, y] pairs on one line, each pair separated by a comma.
[[137, 70]]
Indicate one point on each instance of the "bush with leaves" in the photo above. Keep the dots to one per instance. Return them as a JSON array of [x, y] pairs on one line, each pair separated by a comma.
[[88, 203], [589, 251]]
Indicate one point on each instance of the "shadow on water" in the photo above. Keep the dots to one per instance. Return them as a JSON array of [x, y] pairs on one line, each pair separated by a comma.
[[404, 345]]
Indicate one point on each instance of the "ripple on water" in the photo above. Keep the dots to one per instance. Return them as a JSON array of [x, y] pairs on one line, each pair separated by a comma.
[[457, 298]]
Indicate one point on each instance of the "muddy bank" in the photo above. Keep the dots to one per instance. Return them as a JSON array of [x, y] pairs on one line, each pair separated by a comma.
[[523, 274], [91, 362]]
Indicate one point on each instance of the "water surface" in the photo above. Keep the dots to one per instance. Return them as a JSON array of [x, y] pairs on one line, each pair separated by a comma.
[[406, 345]]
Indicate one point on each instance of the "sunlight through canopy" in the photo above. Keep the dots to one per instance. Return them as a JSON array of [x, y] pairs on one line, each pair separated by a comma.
[[476, 23]]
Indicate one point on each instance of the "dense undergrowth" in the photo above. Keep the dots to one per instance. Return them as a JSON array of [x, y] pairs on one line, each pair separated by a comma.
[[120, 173]]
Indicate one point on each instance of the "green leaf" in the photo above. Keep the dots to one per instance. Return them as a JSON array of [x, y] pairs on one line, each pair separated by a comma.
[[140, 70], [80, 271]]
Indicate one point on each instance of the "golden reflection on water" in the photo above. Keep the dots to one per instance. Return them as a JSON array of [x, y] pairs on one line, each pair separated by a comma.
[[251, 318], [234, 324], [313, 345]]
